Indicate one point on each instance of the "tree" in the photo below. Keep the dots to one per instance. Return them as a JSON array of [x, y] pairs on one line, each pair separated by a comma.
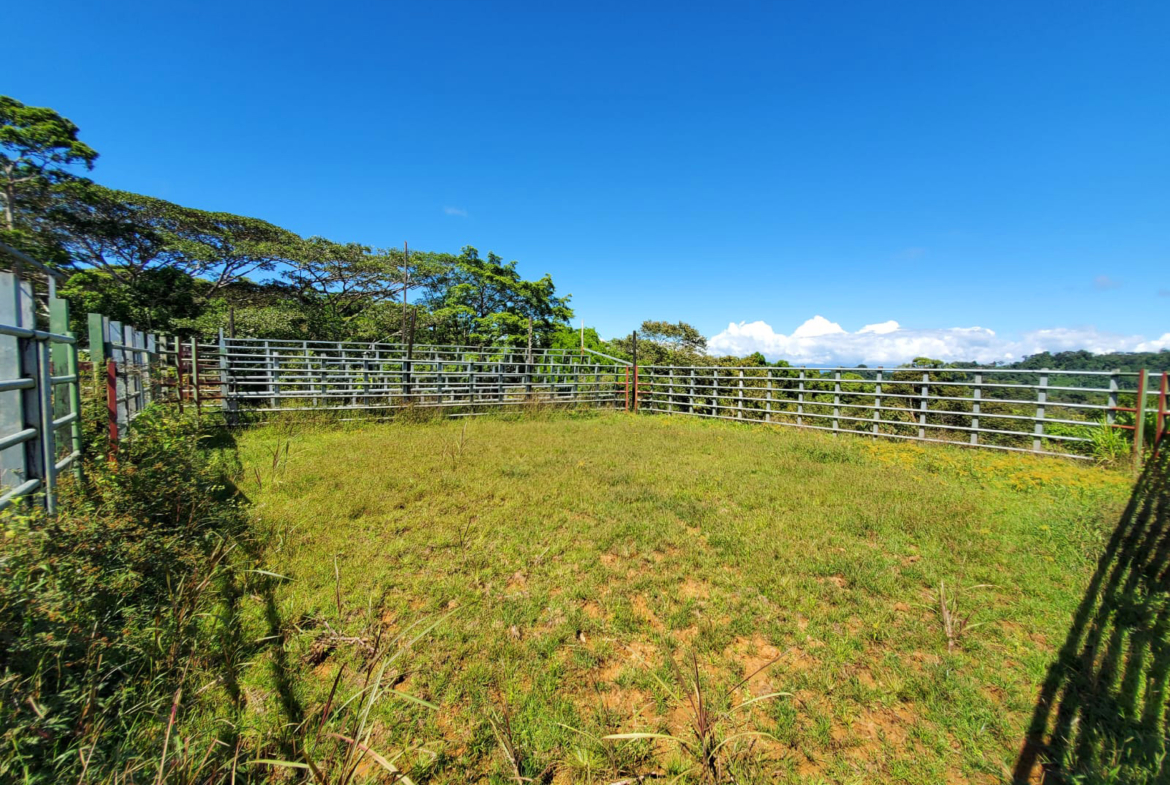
[[159, 299], [126, 234], [115, 232], [675, 343], [486, 302], [38, 149], [342, 279], [676, 337]]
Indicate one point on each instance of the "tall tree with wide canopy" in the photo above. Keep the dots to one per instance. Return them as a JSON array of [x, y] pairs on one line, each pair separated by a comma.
[[126, 234], [485, 301], [39, 149]]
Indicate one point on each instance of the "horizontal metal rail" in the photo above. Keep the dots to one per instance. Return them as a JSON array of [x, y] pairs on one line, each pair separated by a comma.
[[268, 376], [39, 387], [1026, 412]]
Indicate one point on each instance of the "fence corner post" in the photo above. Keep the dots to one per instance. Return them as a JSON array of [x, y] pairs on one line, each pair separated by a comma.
[[1139, 421]]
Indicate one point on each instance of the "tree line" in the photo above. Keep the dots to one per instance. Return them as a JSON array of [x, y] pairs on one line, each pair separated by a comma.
[[167, 267], [172, 268]]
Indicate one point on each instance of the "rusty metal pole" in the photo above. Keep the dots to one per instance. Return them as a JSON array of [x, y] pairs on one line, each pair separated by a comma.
[[405, 285], [408, 364], [1139, 421], [112, 406], [635, 342], [1160, 429]]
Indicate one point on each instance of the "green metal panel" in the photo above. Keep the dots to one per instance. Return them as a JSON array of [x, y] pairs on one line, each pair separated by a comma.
[[97, 340]]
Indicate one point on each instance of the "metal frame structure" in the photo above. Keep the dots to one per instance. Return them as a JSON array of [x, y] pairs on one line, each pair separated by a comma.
[[129, 359], [264, 377], [40, 390], [982, 407]]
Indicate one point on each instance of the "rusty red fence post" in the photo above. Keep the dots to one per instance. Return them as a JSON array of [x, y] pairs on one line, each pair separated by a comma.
[[1139, 421], [112, 404], [1160, 428]]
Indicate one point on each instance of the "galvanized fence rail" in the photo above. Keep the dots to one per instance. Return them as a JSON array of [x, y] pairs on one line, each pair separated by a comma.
[[39, 387], [1035, 411], [264, 377]]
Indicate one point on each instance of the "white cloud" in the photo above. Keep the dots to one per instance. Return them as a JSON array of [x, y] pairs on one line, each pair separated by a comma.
[[881, 328], [1156, 345], [818, 326], [821, 342], [459, 211]]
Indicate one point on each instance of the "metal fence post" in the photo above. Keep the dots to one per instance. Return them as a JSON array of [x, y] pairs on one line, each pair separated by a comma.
[[1139, 422], [112, 406], [65, 362], [1041, 399], [117, 338], [768, 405], [180, 383], [152, 368], [1114, 386], [1163, 390], [739, 396], [923, 406], [836, 400], [312, 383], [877, 403], [976, 408], [635, 352], [225, 381], [17, 474], [195, 376], [48, 441], [800, 398], [273, 401]]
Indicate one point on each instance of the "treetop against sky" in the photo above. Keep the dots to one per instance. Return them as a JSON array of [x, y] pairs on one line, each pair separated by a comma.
[[989, 177]]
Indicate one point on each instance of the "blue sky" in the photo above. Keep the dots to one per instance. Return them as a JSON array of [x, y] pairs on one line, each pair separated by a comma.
[[941, 165]]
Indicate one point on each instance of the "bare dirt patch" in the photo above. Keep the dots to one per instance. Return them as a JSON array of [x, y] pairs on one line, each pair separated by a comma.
[[694, 589], [752, 655], [642, 609]]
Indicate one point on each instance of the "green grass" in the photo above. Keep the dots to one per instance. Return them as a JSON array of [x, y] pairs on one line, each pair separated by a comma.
[[584, 557]]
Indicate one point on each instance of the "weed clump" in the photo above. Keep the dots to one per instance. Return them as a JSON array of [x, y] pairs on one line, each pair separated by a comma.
[[100, 606]]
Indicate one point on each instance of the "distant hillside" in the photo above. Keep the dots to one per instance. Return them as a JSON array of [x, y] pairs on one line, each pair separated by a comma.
[[1158, 362]]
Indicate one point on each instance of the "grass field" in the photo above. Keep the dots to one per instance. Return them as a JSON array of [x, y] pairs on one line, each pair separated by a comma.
[[581, 569]]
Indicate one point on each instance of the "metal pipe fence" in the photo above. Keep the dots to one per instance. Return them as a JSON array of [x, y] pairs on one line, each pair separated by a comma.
[[39, 392], [263, 377], [1036, 411], [128, 358]]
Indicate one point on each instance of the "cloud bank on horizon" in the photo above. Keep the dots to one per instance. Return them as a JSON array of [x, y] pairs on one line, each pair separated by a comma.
[[821, 342]]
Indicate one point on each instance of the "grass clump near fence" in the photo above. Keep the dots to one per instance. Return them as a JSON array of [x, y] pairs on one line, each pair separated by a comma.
[[593, 574]]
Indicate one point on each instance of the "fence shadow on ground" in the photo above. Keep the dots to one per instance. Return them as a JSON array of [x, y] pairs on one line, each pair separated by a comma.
[[1101, 713]]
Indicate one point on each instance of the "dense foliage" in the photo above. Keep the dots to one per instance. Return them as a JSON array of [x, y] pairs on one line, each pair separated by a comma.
[[168, 267]]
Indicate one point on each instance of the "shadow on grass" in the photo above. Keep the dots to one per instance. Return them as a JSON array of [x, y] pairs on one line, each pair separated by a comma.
[[1101, 713]]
